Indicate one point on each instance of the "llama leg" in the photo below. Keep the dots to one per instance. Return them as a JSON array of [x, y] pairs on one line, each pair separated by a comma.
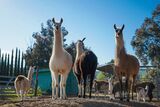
[[21, 93], [120, 93], [18, 92], [79, 87], [55, 84], [133, 82], [17, 87], [144, 100], [128, 88], [79, 90], [61, 87], [84, 86], [138, 96], [91, 84], [53, 88], [64, 85]]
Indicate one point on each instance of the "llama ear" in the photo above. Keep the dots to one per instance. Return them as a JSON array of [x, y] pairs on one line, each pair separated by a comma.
[[115, 26], [122, 27], [61, 21], [53, 20], [83, 39]]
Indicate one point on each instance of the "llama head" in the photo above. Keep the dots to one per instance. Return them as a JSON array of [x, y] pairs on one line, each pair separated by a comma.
[[119, 35], [119, 32], [80, 44], [57, 25]]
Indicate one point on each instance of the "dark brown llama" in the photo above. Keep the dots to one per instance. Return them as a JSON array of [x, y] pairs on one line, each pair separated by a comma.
[[85, 65], [125, 64]]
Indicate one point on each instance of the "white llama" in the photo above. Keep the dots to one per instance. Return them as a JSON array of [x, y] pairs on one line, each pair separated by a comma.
[[60, 62], [142, 93], [110, 88], [22, 84]]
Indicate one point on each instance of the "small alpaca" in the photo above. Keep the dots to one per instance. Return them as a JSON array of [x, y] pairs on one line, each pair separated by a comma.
[[110, 89], [150, 85], [97, 84], [85, 65], [60, 62], [22, 84], [142, 93]]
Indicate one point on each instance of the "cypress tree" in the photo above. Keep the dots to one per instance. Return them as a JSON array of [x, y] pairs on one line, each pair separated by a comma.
[[0, 61], [22, 64], [8, 65], [2, 71], [11, 66], [0, 53], [18, 65], [5, 63], [15, 63]]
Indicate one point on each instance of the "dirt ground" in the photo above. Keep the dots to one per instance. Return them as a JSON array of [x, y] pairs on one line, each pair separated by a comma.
[[75, 102]]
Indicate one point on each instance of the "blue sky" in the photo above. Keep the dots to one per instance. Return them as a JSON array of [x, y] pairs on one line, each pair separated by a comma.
[[92, 19]]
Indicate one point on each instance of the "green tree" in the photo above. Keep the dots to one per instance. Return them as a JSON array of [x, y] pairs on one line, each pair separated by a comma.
[[146, 41]]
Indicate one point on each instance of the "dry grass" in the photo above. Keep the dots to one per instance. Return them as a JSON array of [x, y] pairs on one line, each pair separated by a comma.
[[46, 101]]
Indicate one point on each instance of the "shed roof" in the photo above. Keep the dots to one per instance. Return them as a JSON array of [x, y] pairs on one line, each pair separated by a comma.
[[107, 68]]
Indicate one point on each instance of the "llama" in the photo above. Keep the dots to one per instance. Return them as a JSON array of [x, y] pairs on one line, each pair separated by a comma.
[[110, 88], [125, 64], [150, 85], [142, 93], [98, 84], [60, 62], [85, 65], [22, 84]]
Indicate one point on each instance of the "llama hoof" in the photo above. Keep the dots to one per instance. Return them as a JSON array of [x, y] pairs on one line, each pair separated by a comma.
[[79, 96], [111, 99], [127, 100], [84, 96], [65, 98], [54, 98], [121, 99], [61, 98]]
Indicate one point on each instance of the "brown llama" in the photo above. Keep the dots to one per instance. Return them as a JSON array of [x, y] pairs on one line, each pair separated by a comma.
[[85, 65], [22, 84], [60, 62], [125, 64]]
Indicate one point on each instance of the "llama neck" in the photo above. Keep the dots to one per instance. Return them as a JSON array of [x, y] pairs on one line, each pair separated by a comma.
[[79, 51], [30, 75], [120, 49], [58, 44], [120, 53]]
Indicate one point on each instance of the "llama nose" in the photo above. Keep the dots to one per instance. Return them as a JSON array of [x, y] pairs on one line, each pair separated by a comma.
[[57, 27]]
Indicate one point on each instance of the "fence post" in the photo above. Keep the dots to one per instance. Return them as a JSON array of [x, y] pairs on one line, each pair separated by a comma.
[[36, 84]]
